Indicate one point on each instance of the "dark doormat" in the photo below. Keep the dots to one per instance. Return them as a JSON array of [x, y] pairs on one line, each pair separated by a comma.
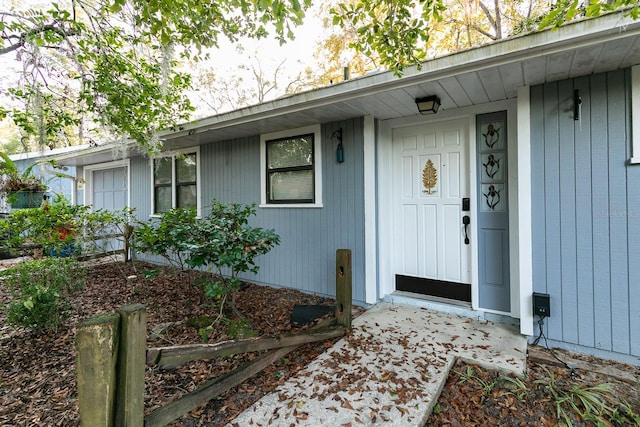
[[437, 288], [303, 314]]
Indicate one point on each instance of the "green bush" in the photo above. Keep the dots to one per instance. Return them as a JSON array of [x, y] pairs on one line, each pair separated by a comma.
[[169, 237], [63, 229], [54, 226], [227, 243], [38, 308], [40, 289], [222, 241]]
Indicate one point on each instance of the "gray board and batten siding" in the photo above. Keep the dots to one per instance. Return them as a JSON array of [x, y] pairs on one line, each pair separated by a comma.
[[586, 212], [305, 258]]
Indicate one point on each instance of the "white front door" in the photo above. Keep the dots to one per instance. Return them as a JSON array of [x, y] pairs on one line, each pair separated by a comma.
[[431, 178]]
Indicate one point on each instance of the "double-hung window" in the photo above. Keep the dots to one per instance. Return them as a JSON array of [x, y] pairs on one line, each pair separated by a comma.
[[175, 181], [291, 168]]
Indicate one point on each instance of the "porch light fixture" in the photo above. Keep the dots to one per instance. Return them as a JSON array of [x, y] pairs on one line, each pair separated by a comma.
[[337, 136], [428, 104]]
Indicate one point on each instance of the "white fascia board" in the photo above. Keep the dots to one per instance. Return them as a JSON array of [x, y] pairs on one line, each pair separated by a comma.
[[49, 153]]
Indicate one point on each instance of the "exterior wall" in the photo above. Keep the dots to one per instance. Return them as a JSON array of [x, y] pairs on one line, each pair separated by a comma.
[[586, 214], [305, 258]]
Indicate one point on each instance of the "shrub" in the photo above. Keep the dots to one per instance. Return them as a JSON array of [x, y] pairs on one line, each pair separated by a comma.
[[62, 229], [168, 237], [222, 241], [227, 243], [38, 308], [54, 226], [40, 289]]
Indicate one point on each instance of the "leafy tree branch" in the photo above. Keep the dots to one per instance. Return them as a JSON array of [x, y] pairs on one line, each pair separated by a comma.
[[115, 64]]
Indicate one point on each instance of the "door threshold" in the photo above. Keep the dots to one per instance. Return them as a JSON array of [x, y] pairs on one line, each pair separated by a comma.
[[443, 305], [433, 298]]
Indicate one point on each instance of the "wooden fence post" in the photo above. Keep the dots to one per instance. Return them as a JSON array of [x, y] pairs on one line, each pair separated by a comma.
[[131, 366], [343, 287], [96, 358], [128, 232]]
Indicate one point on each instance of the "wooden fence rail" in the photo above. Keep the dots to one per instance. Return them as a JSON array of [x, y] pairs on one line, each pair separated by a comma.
[[124, 250], [111, 355]]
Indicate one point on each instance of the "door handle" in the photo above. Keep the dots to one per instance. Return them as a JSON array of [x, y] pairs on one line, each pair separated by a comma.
[[466, 220]]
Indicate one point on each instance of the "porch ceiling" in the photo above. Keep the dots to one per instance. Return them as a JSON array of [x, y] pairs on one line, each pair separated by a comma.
[[476, 76]]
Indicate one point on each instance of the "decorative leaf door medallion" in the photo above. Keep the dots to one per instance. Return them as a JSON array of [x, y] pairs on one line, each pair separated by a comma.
[[429, 177]]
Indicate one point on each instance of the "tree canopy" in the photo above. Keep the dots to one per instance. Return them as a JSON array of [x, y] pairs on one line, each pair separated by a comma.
[[107, 69], [398, 31], [90, 65]]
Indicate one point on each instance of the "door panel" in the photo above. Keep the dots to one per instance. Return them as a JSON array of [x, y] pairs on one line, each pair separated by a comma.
[[110, 189], [431, 178], [494, 286]]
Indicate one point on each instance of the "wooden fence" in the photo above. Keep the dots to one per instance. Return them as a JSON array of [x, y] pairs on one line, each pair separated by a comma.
[[111, 355]]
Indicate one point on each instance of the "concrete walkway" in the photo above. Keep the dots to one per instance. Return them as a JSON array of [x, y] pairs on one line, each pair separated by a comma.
[[389, 371]]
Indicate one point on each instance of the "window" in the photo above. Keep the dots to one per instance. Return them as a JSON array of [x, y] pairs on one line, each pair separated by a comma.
[[175, 182], [290, 169]]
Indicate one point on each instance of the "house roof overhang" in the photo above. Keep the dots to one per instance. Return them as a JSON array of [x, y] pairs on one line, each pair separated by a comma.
[[476, 76]]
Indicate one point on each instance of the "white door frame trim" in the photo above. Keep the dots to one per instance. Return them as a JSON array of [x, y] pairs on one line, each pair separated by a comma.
[[525, 251], [370, 214], [386, 285], [88, 178]]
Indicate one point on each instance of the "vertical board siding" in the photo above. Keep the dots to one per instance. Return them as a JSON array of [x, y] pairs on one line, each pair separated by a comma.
[[586, 212], [633, 240], [618, 156], [551, 185], [569, 301], [600, 207], [140, 191], [538, 170], [305, 258], [584, 220]]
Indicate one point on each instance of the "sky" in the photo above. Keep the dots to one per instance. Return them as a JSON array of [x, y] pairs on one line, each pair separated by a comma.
[[297, 54]]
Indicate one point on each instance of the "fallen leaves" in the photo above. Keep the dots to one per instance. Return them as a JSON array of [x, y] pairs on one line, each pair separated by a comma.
[[37, 372], [466, 404]]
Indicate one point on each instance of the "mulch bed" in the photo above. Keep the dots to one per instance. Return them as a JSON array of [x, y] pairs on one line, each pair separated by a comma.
[[486, 399], [37, 372]]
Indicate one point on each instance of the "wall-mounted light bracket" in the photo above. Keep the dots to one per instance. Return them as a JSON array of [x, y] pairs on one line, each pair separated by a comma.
[[337, 136], [577, 104]]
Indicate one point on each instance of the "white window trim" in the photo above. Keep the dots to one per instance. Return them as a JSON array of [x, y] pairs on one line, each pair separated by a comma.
[[635, 115], [317, 166], [173, 154]]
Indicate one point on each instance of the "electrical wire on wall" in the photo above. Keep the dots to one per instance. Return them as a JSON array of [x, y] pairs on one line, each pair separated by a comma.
[[571, 368]]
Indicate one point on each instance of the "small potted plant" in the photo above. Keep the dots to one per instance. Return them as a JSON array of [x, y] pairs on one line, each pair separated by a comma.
[[23, 189]]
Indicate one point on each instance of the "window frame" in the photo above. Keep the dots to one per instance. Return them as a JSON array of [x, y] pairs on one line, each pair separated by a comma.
[[316, 168], [174, 185]]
